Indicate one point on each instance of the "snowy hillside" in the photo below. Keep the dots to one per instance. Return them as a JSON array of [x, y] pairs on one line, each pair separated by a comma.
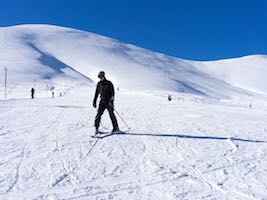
[[44, 53], [188, 148], [209, 142]]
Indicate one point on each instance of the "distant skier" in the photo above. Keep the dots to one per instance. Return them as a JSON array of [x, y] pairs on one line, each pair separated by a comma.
[[53, 94], [169, 97], [106, 90], [32, 92]]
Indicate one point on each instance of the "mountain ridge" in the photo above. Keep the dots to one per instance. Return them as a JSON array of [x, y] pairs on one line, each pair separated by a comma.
[[45, 52]]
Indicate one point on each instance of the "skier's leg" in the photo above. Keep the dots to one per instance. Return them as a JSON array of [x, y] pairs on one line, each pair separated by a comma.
[[113, 117], [100, 112]]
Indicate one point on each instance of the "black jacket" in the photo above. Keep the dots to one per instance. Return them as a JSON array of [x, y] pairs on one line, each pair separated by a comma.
[[106, 90]]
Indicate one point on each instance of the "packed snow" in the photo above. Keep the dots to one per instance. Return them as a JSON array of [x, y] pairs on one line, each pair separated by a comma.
[[208, 142]]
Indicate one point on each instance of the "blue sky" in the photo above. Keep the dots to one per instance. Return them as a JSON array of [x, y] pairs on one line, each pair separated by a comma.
[[192, 29]]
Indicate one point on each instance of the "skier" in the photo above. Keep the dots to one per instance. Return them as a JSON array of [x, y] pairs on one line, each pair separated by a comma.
[[53, 94], [169, 97], [106, 90], [32, 92]]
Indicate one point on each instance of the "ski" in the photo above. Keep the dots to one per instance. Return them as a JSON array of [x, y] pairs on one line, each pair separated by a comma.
[[102, 135]]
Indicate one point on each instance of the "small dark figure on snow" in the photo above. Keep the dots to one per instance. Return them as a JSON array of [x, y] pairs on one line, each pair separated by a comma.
[[32, 92], [169, 98], [53, 94], [106, 90]]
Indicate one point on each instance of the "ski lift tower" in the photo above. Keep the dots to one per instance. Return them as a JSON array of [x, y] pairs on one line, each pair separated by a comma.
[[5, 69]]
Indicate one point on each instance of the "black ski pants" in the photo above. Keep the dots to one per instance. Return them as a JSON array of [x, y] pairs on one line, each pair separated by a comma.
[[101, 109]]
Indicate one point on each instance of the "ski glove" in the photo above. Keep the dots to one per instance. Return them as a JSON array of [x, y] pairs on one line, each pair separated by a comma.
[[111, 102]]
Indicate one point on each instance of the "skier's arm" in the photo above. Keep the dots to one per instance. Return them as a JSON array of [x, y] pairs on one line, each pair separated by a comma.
[[112, 92], [111, 101], [96, 95]]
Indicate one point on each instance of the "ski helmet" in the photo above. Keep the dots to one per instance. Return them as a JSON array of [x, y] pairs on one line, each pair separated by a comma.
[[101, 74]]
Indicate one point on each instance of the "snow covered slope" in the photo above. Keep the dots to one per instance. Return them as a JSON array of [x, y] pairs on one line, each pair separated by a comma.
[[193, 147], [188, 148], [44, 53]]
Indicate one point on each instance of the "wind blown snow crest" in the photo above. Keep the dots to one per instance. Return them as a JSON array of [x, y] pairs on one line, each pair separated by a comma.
[[46, 54]]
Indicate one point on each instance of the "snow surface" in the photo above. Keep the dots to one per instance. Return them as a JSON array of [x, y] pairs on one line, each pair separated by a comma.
[[207, 143]]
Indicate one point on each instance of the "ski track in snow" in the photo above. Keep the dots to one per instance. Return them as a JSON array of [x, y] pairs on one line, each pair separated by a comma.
[[183, 149]]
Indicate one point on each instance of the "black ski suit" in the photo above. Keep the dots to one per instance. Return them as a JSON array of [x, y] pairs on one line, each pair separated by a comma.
[[106, 90]]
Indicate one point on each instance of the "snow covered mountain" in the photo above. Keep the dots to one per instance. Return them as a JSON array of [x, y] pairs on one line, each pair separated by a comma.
[[193, 147], [45, 53]]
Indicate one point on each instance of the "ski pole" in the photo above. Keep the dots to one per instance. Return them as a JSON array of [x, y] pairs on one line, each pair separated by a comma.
[[103, 126], [101, 122], [122, 119]]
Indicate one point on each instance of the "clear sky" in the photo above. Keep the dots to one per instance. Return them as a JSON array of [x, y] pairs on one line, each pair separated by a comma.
[[192, 29]]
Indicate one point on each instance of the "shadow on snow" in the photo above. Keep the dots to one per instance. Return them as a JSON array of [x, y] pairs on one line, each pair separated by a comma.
[[193, 137]]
